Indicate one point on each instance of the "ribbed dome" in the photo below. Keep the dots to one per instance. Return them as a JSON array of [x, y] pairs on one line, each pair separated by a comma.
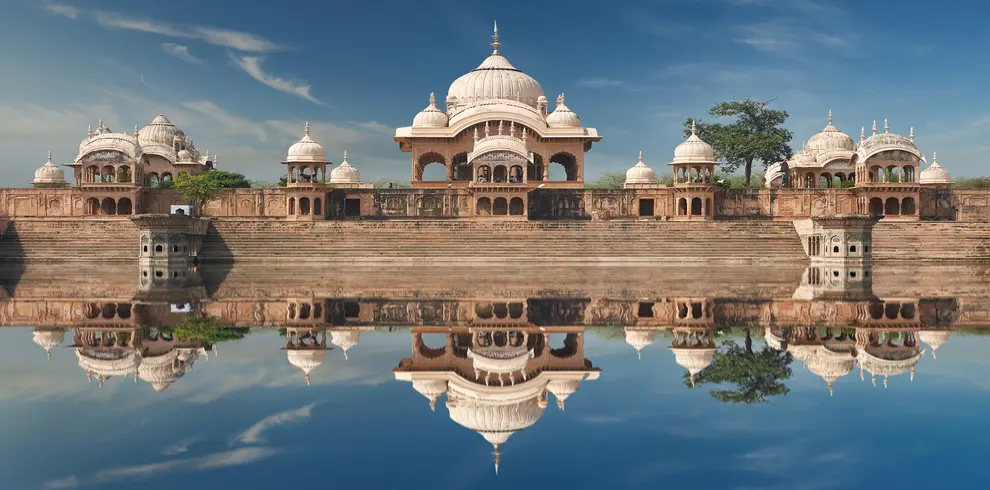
[[431, 389], [495, 78], [562, 116], [106, 140], [160, 131], [804, 158], [899, 363], [803, 353], [161, 371], [49, 173], [495, 422], [934, 338], [640, 174], [694, 150], [935, 173], [640, 339], [345, 173], [184, 156], [48, 339], [431, 117], [307, 360], [886, 141], [306, 150], [830, 139], [345, 339], [694, 360], [562, 389], [829, 365], [106, 364]]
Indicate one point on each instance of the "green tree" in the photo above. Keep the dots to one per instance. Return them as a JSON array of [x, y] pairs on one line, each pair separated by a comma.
[[972, 183], [384, 184], [163, 184], [197, 189], [756, 375], [608, 180], [228, 180], [205, 328], [755, 135]]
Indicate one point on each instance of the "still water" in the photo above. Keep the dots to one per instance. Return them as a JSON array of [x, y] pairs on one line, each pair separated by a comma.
[[737, 377]]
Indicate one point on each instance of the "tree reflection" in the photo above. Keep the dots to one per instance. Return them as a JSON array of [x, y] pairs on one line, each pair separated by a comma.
[[756, 375]]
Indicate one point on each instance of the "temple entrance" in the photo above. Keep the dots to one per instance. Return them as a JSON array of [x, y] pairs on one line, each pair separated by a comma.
[[646, 207], [352, 207], [500, 167]]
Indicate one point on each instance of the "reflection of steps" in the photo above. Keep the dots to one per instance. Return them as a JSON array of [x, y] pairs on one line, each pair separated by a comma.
[[931, 240], [494, 241], [75, 239]]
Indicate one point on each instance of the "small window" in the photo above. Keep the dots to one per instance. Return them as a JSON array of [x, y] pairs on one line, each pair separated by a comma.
[[146, 249], [852, 249], [852, 274], [835, 249], [645, 310], [144, 273], [835, 273], [352, 309], [866, 274], [158, 274], [158, 248], [866, 249]]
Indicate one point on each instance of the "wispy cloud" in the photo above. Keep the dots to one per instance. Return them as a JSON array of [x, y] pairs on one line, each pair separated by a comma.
[[252, 66], [779, 38], [181, 52], [253, 434], [61, 9], [180, 447], [600, 83], [237, 40], [67, 482], [226, 459]]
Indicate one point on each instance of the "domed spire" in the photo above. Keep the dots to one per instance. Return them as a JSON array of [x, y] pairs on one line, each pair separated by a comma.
[[694, 127], [862, 133], [497, 453], [874, 126], [830, 117], [886, 127], [830, 391], [307, 128], [911, 135], [495, 42]]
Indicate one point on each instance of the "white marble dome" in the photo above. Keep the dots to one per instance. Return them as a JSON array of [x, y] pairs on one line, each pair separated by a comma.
[[345, 339], [640, 174], [160, 131], [694, 360], [49, 173], [562, 116], [694, 150], [886, 141], [934, 339], [107, 364], [431, 117], [184, 156], [495, 422], [345, 173], [306, 150], [562, 389], [161, 371], [935, 173], [307, 360], [431, 389], [495, 79], [830, 365], [48, 339], [106, 140], [830, 139]]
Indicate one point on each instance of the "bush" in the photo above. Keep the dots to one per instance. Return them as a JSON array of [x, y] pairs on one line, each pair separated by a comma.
[[972, 183]]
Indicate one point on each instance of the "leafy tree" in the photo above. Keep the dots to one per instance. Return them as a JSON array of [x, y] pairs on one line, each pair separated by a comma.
[[228, 180], [163, 184], [263, 184], [608, 180], [197, 189], [205, 328], [972, 183], [284, 181], [755, 135], [608, 333], [757, 375]]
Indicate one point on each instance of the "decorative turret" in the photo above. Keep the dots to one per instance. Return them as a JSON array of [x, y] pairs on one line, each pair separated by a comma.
[[640, 173], [49, 175]]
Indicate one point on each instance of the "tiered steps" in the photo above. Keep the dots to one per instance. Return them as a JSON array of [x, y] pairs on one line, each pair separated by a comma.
[[69, 239], [493, 242], [940, 240]]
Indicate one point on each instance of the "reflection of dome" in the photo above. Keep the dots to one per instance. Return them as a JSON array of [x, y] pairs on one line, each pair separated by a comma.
[[935, 174], [562, 389], [640, 173], [345, 173], [306, 150], [307, 360], [803, 353], [107, 364], [431, 117], [495, 78], [161, 371], [830, 139], [694, 360], [772, 339], [640, 339], [495, 421], [693, 150], [893, 363], [562, 116], [498, 360], [934, 338], [49, 173], [48, 339], [431, 389], [345, 339], [830, 365]]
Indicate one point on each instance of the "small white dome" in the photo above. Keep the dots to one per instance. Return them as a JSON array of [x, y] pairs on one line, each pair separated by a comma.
[[830, 139], [935, 173], [161, 371], [804, 158], [431, 117], [694, 150], [49, 173], [345, 339], [934, 338], [640, 174], [431, 389], [562, 389], [562, 116], [345, 173], [185, 156], [307, 360], [48, 339], [306, 150], [640, 339]]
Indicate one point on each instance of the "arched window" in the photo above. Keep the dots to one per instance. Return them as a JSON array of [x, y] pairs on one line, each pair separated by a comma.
[[435, 172], [696, 206], [876, 205], [292, 206], [92, 206], [317, 207], [908, 207], [892, 207], [109, 206], [566, 167], [303, 206], [124, 205], [501, 174], [124, 174], [107, 176], [500, 207], [152, 179], [516, 206], [682, 209], [908, 172], [484, 207]]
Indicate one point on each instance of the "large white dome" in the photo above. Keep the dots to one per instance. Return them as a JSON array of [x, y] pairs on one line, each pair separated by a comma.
[[306, 150], [830, 139], [694, 150], [49, 173], [640, 174], [495, 78]]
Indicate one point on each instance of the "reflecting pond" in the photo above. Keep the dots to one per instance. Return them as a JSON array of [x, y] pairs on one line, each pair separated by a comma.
[[117, 376]]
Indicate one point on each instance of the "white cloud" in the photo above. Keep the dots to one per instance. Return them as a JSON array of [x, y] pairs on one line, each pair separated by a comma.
[[252, 66], [600, 83], [253, 434], [67, 482], [181, 52], [107, 19], [180, 447], [226, 459], [241, 41], [63, 10]]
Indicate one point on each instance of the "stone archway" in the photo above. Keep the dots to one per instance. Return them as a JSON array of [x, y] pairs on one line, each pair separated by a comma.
[[876, 205], [124, 205], [430, 160], [484, 207], [516, 207], [500, 207], [892, 207]]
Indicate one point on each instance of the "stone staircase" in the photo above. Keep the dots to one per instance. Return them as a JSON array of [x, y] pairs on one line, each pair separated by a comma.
[[69, 239], [939, 240], [491, 242]]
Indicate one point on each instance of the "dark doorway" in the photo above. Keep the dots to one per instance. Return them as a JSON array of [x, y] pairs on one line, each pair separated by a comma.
[[352, 207], [646, 207]]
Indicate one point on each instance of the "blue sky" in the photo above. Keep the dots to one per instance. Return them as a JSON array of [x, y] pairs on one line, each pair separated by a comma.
[[246, 419], [242, 80]]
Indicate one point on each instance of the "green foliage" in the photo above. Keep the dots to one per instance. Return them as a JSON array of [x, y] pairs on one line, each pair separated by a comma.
[[227, 180], [197, 189], [608, 180], [607, 333], [384, 184], [205, 328], [757, 375], [972, 183], [890, 176], [164, 184], [263, 184], [846, 184], [666, 179], [284, 181], [755, 135]]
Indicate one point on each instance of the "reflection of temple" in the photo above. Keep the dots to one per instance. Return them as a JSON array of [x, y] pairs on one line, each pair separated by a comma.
[[120, 351], [496, 378], [306, 347]]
